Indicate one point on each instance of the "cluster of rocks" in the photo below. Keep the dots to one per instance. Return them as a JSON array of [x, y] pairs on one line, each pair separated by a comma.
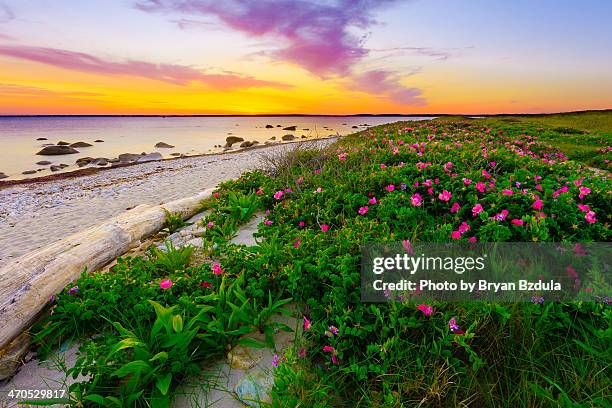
[[231, 140]]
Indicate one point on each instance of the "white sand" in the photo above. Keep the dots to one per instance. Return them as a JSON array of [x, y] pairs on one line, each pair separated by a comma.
[[35, 215]]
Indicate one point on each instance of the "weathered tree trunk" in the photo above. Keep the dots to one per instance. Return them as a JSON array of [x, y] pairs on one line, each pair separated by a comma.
[[29, 281]]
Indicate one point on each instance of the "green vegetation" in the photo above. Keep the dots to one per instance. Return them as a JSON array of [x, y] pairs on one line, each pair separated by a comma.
[[466, 180]]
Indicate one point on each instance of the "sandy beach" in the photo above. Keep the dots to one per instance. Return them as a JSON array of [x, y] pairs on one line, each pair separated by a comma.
[[37, 214]]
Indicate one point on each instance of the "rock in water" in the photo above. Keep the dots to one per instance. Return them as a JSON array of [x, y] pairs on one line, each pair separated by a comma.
[[42, 138], [247, 144], [80, 144], [288, 137], [57, 150], [2, 175], [230, 140], [43, 163], [254, 388], [290, 128], [269, 126], [84, 161], [29, 172], [62, 143], [98, 141], [163, 145]]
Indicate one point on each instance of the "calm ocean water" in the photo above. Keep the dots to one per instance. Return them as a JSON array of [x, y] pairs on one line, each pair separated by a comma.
[[189, 135]]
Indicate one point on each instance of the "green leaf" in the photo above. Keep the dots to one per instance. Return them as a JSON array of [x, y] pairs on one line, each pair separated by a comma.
[[162, 355], [133, 367], [163, 383], [249, 342], [125, 343], [98, 399]]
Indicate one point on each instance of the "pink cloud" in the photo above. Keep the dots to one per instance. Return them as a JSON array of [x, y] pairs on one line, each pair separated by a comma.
[[315, 34], [171, 73], [388, 84], [312, 34]]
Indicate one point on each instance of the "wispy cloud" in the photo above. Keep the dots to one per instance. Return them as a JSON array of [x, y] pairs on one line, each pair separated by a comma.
[[441, 54], [387, 83], [15, 89], [6, 14], [171, 73]]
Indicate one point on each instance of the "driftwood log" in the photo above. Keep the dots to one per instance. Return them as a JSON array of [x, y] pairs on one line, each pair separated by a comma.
[[29, 281]]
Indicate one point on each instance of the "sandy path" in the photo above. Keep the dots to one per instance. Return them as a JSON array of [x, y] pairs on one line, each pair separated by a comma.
[[32, 216]]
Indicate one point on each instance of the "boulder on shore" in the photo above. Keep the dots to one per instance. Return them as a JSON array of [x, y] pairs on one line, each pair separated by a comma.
[[269, 126], [247, 144], [80, 144], [149, 157], [288, 137], [230, 140], [57, 150], [163, 145], [29, 172], [128, 157], [290, 128]]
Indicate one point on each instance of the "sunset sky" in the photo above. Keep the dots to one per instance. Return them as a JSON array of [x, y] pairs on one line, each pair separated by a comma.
[[316, 57]]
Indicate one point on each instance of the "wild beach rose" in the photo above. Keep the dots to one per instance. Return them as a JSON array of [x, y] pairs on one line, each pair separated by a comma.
[[390, 187], [427, 310], [455, 235], [279, 194], [324, 227], [517, 222], [372, 201], [408, 246], [306, 324], [477, 209], [416, 200], [165, 284], [538, 205], [216, 268], [590, 217], [455, 207], [445, 195], [584, 191], [363, 210]]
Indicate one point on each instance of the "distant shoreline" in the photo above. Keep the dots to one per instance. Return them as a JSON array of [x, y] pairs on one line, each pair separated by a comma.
[[290, 115]]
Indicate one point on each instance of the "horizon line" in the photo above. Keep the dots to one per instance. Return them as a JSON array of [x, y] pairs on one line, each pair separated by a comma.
[[303, 114]]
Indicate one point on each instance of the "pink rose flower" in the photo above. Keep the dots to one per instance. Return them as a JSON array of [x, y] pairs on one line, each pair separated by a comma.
[[445, 195], [165, 284]]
